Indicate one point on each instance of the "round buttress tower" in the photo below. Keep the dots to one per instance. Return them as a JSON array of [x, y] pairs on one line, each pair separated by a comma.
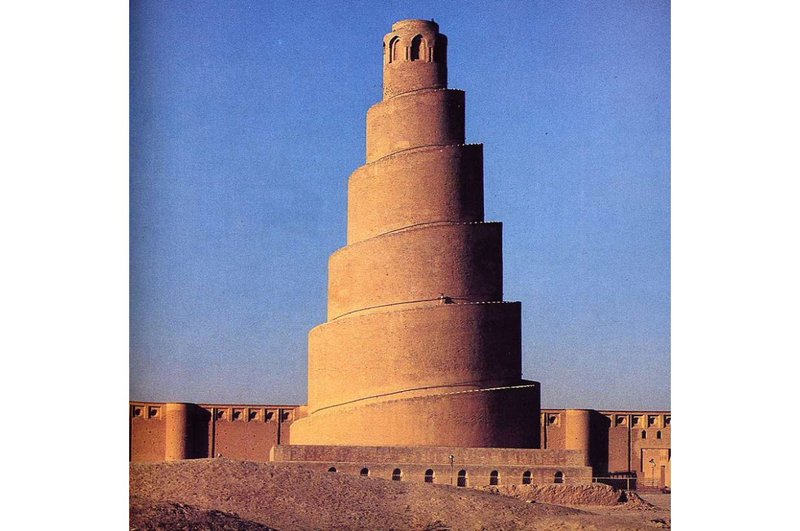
[[419, 348]]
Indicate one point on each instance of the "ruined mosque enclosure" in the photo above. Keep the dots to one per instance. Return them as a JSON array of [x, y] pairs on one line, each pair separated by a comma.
[[417, 372]]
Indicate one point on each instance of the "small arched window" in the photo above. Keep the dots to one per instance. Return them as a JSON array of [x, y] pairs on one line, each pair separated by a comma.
[[364, 472], [462, 478], [644, 434], [332, 469], [526, 478], [397, 474], [394, 49], [658, 434], [417, 48], [559, 477], [494, 477], [429, 476]]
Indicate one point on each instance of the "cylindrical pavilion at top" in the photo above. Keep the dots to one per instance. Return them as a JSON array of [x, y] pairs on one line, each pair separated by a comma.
[[419, 348]]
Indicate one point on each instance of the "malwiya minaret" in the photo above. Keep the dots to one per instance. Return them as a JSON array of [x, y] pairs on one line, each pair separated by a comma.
[[419, 348]]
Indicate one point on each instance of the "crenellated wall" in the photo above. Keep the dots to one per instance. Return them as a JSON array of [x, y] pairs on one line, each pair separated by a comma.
[[169, 431], [609, 442], [147, 431], [620, 442]]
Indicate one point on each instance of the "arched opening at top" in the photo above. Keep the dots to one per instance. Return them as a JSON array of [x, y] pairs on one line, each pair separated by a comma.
[[429, 476], [559, 477], [364, 472], [394, 49], [397, 474], [494, 477], [418, 50], [440, 49], [462, 478], [526, 478], [332, 469]]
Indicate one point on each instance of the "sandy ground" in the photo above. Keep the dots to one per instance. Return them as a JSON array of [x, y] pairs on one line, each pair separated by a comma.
[[238, 495], [661, 501]]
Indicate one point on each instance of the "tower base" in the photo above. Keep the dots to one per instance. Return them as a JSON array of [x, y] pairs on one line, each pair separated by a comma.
[[460, 416], [471, 467]]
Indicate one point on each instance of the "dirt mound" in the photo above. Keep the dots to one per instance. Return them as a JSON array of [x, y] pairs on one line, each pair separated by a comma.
[[145, 516], [636, 502], [289, 497], [593, 494]]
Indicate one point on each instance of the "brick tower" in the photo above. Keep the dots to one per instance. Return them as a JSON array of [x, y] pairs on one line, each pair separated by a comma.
[[419, 348]]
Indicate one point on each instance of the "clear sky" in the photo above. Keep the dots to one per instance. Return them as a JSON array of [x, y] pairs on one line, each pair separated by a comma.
[[247, 118]]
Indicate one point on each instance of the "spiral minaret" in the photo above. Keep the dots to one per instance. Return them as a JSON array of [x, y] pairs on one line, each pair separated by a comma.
[[419, 348]]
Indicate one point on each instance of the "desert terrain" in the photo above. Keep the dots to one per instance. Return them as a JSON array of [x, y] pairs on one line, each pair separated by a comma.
[[232, 495]]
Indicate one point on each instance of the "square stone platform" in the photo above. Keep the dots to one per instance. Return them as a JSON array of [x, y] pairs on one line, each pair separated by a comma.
[[476, 466]]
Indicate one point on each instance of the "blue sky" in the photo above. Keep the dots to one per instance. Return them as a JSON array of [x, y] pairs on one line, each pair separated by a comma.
[[248, 117]]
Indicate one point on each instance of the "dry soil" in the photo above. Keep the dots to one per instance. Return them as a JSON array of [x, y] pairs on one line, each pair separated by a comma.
[[238, 495]]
